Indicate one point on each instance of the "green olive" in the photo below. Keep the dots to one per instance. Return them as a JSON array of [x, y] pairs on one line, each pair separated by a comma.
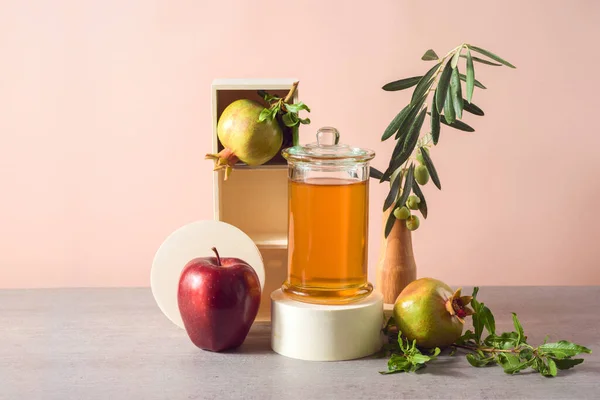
[[401, 213], [421, 175], [412, 223], [413, 202]]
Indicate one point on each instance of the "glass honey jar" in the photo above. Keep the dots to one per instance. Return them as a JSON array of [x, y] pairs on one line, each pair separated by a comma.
[[328, 210]]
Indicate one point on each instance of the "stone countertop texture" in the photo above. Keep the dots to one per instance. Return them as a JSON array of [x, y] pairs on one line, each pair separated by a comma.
[[116, 344]]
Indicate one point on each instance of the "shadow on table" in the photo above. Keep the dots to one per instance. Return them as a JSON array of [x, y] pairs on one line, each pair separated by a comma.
[[256, 344], [444, 366]]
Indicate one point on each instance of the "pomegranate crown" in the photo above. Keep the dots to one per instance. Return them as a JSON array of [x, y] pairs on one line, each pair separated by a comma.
[[458, 306]]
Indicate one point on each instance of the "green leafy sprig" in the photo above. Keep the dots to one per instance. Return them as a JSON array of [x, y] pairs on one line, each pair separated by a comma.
[[443, 84], [283, 109], [406, 357], [510, 350]]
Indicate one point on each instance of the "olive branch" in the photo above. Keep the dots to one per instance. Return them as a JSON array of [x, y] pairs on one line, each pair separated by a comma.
[[444, 83]]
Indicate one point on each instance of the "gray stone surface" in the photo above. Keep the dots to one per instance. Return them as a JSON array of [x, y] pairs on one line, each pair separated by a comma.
[[115, 344]]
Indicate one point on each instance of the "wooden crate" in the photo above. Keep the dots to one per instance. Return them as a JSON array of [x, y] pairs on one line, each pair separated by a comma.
[[255, 199]]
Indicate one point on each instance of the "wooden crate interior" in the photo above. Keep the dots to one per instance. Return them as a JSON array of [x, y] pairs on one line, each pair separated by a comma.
[[255, 200], [226, 97]]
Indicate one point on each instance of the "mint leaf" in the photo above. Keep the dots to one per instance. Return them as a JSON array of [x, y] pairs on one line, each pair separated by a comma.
[[483, 317], [397, 363], [567, 363], [466, 337], [297, 107], [552, 368], [420, 358], [526, 354], [478, 361], [512, 363], [505, 341], [264, 114], [269, 98], [290, 119], [519, 329], [563, 349], [409, 358]]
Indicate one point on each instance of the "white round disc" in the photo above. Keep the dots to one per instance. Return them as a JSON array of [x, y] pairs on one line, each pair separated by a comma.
[[196, 240]]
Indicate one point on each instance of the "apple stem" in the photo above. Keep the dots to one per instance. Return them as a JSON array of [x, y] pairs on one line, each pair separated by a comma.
[[217, 254]]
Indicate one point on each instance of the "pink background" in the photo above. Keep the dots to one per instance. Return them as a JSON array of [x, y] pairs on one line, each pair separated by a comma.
[[105, 117]]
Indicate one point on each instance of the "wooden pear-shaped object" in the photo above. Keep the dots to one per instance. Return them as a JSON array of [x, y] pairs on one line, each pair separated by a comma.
[[396, 266]]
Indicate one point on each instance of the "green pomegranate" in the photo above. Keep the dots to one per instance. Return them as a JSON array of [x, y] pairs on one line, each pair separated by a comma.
[[244, 138], [429, 312]]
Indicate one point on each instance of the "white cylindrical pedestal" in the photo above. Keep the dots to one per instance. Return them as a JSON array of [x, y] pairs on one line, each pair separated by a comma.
[[317, 332]]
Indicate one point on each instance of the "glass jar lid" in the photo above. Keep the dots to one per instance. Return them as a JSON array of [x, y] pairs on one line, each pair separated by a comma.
[[327, 150]]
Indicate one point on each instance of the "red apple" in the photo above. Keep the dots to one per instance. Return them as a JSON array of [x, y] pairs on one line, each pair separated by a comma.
[[218, 300]]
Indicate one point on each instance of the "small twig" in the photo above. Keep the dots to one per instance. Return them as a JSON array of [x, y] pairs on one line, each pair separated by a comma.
[[486, 349], [290, 94]]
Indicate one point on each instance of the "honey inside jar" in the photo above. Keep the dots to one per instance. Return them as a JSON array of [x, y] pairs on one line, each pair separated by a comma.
[[327, 240]]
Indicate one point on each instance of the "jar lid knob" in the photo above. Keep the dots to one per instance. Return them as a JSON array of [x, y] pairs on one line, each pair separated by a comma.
[[327, 136]]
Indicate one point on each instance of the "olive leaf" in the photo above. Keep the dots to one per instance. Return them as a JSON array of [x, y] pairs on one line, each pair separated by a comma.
[[448, 105], [399, 154], [470, 76], [413, 134], [415, 107], [375, 173], [481, 60], [442, 88], [407, 187], [449, 113], [401, 84], [391, 197], [472, 108], [455, 58], [424, 84], [476, 83], [461, 126], [430, 168], [406, 140], [422, 204], [395, 124], [435, 123], [429, 55], [389, 224], [491, 55], [456, 93]]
